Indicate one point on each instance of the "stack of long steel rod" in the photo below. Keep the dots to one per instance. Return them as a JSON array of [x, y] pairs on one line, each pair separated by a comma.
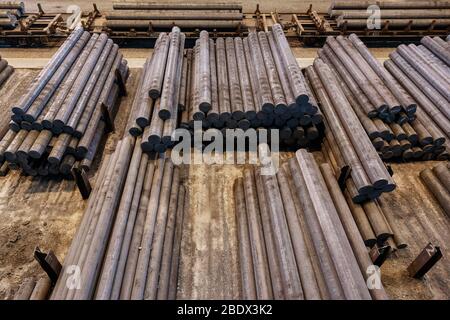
[[60, 121], [368, 171], [160, 94], [297, 237], [437, 180], [424, 72], [128, 242], [5, 71], [9, 14], [392, 14], [30, 289], [157, 16], [251, 82], [409, 137], [373, 218]]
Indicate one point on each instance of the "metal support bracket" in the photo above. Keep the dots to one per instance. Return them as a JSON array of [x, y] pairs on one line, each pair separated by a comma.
[[379, 254], [425, 261], [82, 181], [49, 262], [107, 117], [343, 176]]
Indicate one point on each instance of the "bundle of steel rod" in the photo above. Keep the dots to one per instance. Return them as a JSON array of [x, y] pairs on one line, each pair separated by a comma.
[[177, 6], [128, 242], [374, 218], [368, 171], [424, 72], [397, 14], [252, 82], [437, 180], [367, 81], [297, 238], [160, 95], [7, 20], [165, 15], [30, 289], [5, 71], [409, 138], [60, 122]]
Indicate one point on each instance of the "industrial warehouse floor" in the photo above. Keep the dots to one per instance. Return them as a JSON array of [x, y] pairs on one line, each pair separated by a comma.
[[46, 213]]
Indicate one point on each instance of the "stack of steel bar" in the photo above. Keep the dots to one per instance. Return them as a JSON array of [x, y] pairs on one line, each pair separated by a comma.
[[424, 72], [9, 13], [252, 82], [409, 137], [392, 14], [437, 181], [373, 218], [297, 238], [60, 121], [368, 171], [157, 16], [30, 289], [128, 242], [5, 71], [160, 95]]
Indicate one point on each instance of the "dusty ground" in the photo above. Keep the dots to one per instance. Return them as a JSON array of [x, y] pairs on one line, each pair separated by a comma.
[[46, 213]]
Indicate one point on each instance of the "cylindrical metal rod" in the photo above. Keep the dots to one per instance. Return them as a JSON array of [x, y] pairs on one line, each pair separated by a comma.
[[175, 6], [437, 189], [41, 290], [182, 207], [290, 63], [167, 106], [169, 237], [157, 76], [258, 251], [272, 74], [236, 102], [25, 289], [282, 72], [222, 80], [272, 257], [261, 74], [246, 89], [174, 16], [443, 173], [245, 251], [437, 49]]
